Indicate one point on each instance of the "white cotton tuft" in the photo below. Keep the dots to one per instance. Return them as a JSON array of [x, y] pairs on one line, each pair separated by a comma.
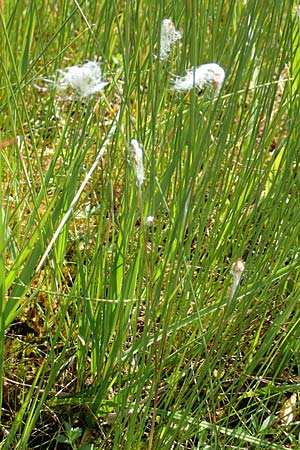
[[168, 36], [211, 74], [84, 79], [137, 155], [149, 220]]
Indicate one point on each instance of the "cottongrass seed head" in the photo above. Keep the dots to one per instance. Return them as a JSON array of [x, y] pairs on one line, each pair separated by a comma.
[[149, 220], [236, 271], [237, 268], [207, 74], [85, 79], [168, 36], [137, 155]]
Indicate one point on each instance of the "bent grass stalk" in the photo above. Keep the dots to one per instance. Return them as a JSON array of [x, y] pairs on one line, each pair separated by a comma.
[[137, 154], [80, 191]]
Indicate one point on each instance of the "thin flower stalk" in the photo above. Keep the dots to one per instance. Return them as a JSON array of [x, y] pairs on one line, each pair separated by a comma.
[[77, 196]]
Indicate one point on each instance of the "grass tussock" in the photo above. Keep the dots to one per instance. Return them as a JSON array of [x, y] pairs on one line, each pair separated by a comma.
[[149, 238]]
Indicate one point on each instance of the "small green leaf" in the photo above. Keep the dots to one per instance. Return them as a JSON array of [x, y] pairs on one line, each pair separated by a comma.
[[74, 434], [61, 438], [87, 447]]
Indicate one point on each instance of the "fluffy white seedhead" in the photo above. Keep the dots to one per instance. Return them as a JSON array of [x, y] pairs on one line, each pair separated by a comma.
[[84, 79], [208, 74], [149, 220], [168, 36], [137, 155]]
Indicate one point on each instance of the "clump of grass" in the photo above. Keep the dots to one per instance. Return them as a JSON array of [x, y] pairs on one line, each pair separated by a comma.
[[126, 328]]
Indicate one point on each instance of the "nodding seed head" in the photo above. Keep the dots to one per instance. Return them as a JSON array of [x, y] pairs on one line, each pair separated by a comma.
[[237, 268]]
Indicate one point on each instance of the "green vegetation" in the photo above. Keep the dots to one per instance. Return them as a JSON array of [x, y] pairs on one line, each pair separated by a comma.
[[117, 333]]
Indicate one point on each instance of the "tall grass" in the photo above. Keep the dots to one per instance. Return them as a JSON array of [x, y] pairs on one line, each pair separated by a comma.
[[120, 331]]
